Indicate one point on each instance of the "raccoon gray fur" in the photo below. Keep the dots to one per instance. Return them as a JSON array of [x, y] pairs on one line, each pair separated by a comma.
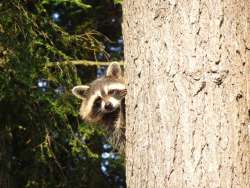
[[103, 102]]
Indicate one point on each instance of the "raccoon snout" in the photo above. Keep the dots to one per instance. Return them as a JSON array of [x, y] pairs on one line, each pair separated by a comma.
[[108, 106]]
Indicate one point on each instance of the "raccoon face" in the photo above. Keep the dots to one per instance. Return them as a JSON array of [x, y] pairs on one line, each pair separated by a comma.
[[103, 97]]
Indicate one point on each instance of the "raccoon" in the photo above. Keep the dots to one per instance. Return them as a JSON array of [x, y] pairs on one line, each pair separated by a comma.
[[103, 102]]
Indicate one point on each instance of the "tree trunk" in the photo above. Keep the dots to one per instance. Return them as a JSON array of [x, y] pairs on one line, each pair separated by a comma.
[[188, 102]]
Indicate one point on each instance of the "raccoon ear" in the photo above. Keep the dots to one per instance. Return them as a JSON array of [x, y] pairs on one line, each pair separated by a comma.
[[80, 91], [114, 70]]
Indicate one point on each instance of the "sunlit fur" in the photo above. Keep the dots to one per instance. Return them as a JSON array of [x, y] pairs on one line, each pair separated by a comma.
[[97, 114], [96, 96]]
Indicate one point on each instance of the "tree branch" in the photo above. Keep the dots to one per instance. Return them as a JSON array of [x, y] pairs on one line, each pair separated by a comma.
[[83, 62]]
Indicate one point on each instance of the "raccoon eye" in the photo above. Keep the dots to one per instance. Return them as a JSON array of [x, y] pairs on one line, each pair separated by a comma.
[[112, 92], [98, 102]]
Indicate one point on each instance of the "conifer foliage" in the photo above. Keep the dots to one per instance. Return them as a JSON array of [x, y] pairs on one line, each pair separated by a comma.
[[43, 143]]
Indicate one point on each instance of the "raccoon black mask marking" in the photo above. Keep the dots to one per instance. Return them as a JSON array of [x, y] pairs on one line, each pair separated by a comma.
[[103, 102]]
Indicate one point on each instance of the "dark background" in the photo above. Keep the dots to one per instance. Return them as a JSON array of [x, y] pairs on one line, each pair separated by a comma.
[[43, 142]]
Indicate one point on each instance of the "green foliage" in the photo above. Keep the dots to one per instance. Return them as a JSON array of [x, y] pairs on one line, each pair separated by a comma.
[[78, 3], [118, 1], [43, 144]]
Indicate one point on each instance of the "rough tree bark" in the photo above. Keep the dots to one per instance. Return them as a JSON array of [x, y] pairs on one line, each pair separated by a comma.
[[188, 102]]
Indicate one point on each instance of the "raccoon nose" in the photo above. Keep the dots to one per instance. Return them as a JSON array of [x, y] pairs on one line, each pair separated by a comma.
[[108, 106]]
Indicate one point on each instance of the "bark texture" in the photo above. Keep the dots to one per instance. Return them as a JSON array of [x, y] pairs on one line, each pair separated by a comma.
[[188, 101]]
